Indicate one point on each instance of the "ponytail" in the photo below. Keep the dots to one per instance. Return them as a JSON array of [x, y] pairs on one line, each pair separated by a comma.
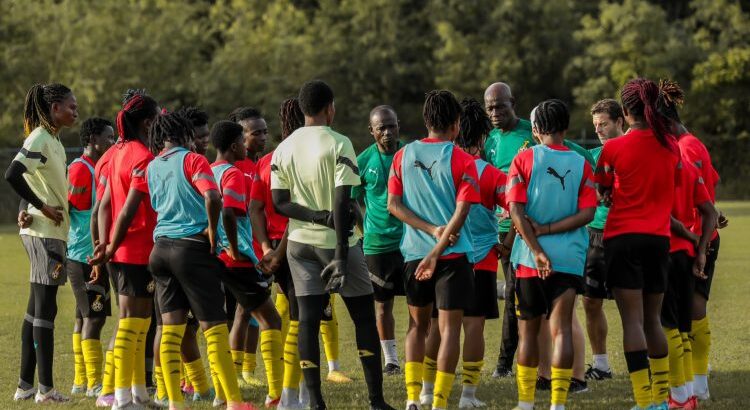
[[137, 107], [37, 108]]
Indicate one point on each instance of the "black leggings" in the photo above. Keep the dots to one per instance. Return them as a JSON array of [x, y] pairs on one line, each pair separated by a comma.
[[362, 311], [38, 337]]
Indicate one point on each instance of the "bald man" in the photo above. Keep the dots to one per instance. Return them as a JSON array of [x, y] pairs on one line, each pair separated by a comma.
[[510, 135], [382, 231]]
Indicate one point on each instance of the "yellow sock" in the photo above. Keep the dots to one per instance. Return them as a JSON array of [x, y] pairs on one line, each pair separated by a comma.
[[292, 371], [676, 358], [169, 350], [108, 378], [701, 344], [687, 357], [641, 388], [659, 378], [329, 332], [79, 367], [526, 381], [249, 363], [161, 388], [272, 352], [197, 375], [124, 352], [413, 377], [443, 386], [560, 385], [282, 306], [238, 361], [92, 358], [430, 370], [217, 385], [139, 362], [472, 372], [217, 345]]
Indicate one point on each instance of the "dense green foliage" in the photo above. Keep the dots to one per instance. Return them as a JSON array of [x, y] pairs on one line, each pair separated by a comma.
[[224, 53]]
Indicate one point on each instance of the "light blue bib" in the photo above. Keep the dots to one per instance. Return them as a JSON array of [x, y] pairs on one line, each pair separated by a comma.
[[80, 244], [482, 223], [244, 229]]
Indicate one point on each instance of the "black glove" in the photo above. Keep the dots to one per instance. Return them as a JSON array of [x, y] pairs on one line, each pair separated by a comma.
[[324, 218], [334, 275]]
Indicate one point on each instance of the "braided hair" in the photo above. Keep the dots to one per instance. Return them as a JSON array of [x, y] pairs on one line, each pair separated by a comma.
[[137, 106], [550, 117], [195, 115], [642, 99], [92, 126], [172, 127], [290, 117], [441, 110], [475, 124], [37, 108], [673, 97]]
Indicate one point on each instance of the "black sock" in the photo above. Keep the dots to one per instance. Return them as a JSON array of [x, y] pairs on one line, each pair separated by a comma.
[[45, 310], [310, 312], [150, 335], [28, 353], [362, 311]]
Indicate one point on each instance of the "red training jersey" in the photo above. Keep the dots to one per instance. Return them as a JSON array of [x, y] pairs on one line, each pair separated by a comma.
[[492, 193], [80, 183], [261, 192], [233, 190], [691, 193], [126, 171], [693, 151], [101, 171], [642, 174]]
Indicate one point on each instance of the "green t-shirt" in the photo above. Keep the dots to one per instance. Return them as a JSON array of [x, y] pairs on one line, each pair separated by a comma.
[[311, 163], [600, 217], [583, 151], [43, 155], [500, 149], [382, 230]]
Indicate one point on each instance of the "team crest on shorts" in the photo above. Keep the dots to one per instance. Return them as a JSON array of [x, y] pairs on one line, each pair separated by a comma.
[[190, 314], [151, 287], [97, 305], [55, 274], [328, 311]]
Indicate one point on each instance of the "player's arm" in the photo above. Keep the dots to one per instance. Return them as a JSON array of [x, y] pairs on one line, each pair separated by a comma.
[[122, 223], [258, 222], [709, 216], [212, 199], [526, 230], [397, 208], [284, 206], [271, 261], [14, 176], [103, 225], [679, 229]]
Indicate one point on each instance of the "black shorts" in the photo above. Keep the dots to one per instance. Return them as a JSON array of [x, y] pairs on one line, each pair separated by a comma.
[[247, 285], [448, 287], [637, 261], [187, 278], [132, 280], [677, 307], [703, 287], [595, 274], [387, 275], [92, 301], [283, 277], [485, 296], [534, 296]]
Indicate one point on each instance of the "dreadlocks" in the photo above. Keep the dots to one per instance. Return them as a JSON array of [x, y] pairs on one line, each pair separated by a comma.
[[137, 106], [290, 117], [91, 127], [475, 124], [195, 115], [172, 127], [441, 110], [642, 99], [550, 117], [37, 109], [673, 97]]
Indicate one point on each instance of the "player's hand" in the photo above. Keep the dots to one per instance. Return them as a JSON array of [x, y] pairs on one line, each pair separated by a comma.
[[426, 268], [695, 239], [452, 239], [334, 275], [543, 265], [53, 212], [102, 254], [95, 274], [236, 255], [210, 234], [502, 250], [24, 219], [698, 265], [265, 248], [606, 198], [723, 220], [270, 262]]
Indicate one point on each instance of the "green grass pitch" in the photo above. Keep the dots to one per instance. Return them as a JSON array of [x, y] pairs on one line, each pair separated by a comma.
[[730, 353]]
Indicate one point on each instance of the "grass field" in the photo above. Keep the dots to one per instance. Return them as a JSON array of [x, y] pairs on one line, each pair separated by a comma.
[[730, 353]]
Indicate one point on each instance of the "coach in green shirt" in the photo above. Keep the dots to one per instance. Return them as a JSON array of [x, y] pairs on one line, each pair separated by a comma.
[[382, 231]]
